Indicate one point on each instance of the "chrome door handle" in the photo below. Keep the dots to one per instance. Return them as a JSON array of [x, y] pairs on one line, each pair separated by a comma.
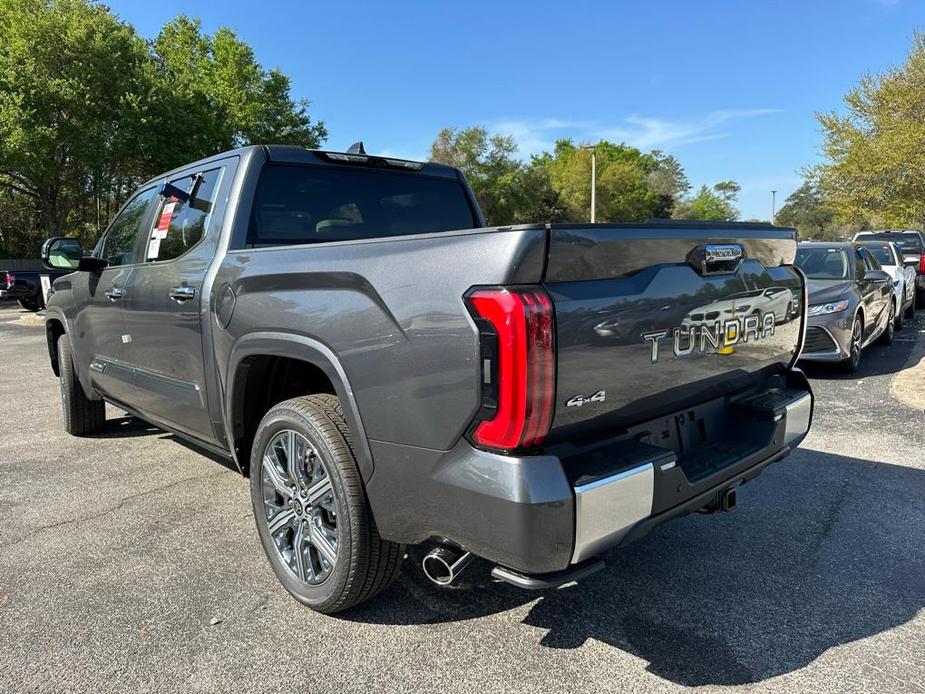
[[181, 294], [114, 293]]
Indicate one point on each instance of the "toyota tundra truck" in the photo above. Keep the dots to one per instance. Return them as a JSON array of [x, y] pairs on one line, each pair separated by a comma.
[[390, 372]]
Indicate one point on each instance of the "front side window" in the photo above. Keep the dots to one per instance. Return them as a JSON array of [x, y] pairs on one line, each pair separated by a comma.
[[882, 252], [871, 262], [118, 246], [178, 226], [311, 204]]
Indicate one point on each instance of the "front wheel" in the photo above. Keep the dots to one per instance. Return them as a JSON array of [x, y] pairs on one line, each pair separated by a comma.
[[910, 311], [81, 414], [312, 514], [853, 362]]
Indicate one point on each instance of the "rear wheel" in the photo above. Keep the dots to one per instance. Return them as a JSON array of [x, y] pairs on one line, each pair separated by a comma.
[[29, 304], [910, 311], [851, 364], [81, 414], [311, 510]]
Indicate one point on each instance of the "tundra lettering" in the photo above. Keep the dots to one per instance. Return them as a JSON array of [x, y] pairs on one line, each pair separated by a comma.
[[718, 334]]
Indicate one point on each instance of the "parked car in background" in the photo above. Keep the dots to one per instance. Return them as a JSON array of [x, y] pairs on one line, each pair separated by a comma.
[[391, 372], [904, 277], [911, 244], [25, 286], [851, 302]]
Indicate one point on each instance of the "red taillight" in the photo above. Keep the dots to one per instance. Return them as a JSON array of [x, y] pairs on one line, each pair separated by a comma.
[[922, 263], [524, 373], [10, 279]]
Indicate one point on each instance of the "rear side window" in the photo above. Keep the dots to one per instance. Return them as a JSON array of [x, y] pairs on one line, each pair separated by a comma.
[[118, 246], [178, 226], [305, 204]]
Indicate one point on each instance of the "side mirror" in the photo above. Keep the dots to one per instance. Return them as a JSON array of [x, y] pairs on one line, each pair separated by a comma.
[[877, 276], [911, 262], [60, 253]]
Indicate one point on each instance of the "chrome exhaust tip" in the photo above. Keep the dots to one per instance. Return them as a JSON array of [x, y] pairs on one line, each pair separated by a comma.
[[444, 563]]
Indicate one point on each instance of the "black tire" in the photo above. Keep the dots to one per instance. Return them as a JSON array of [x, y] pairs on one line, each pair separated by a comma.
[[889, 332], [82, 415], [853, 362], [910, 311], [900, 322], [365, 564], [29, 304]]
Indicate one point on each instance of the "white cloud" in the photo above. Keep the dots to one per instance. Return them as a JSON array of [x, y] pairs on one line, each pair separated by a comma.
[[535, 136]]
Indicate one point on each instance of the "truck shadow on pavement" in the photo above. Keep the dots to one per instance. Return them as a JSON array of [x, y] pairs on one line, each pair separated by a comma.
[[131, 427], [823, 550]]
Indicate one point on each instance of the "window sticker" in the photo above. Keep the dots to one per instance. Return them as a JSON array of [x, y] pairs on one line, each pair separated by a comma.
[[160, 231]]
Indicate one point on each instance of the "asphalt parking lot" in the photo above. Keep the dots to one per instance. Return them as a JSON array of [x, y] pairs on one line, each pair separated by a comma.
[[129, 562]]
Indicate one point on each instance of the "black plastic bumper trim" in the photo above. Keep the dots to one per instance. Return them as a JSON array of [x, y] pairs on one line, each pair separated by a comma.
[[550, 580]]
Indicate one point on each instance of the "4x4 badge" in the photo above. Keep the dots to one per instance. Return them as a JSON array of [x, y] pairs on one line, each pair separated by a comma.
[[580, 400]]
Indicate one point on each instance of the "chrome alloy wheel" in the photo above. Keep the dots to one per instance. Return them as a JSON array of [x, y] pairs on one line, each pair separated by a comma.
[[856, 342], [300, 507]]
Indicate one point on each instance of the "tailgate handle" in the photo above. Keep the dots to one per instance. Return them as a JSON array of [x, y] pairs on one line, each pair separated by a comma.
[[716, 258]]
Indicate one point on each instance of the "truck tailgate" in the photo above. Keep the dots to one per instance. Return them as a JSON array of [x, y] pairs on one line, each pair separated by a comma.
[[656, 317]]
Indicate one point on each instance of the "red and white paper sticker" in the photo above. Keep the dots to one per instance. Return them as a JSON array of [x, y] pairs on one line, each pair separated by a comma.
[[160, 231]]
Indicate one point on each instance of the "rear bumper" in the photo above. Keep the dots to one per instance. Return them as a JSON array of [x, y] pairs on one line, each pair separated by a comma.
[[606, 510], [542, 514]]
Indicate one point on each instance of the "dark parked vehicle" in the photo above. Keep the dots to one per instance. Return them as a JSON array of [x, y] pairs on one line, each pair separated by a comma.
[[911, 244], [25, 286], [851, 302], [389, 372]]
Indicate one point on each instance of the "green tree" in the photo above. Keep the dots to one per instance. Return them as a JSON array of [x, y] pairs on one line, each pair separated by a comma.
[[89, 109], [212, 88], [72, 80], [875, 150], [668, 181], [710, 204], [727, 190], [624, 193], [805, 210], [489, 164]]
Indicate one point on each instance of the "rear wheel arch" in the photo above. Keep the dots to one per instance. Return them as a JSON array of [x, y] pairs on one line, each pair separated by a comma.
[[268, 368]]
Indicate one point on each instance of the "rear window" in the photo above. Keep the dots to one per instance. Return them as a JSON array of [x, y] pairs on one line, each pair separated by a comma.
[[905, 241], [305, 204]]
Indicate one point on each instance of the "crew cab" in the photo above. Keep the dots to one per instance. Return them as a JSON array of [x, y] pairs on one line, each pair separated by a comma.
[[390, 372]]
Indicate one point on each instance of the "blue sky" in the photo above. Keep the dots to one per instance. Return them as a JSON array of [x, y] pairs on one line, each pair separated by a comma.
[[729, 88]]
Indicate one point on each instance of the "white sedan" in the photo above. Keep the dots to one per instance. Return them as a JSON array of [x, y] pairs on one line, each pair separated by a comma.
[[904, 276]]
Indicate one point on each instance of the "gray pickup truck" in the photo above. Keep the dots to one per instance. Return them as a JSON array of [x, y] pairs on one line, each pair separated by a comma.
[[389, 372]]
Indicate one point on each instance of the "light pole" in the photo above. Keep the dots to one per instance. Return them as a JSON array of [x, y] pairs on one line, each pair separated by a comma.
[[593, 182], [773, 205]]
